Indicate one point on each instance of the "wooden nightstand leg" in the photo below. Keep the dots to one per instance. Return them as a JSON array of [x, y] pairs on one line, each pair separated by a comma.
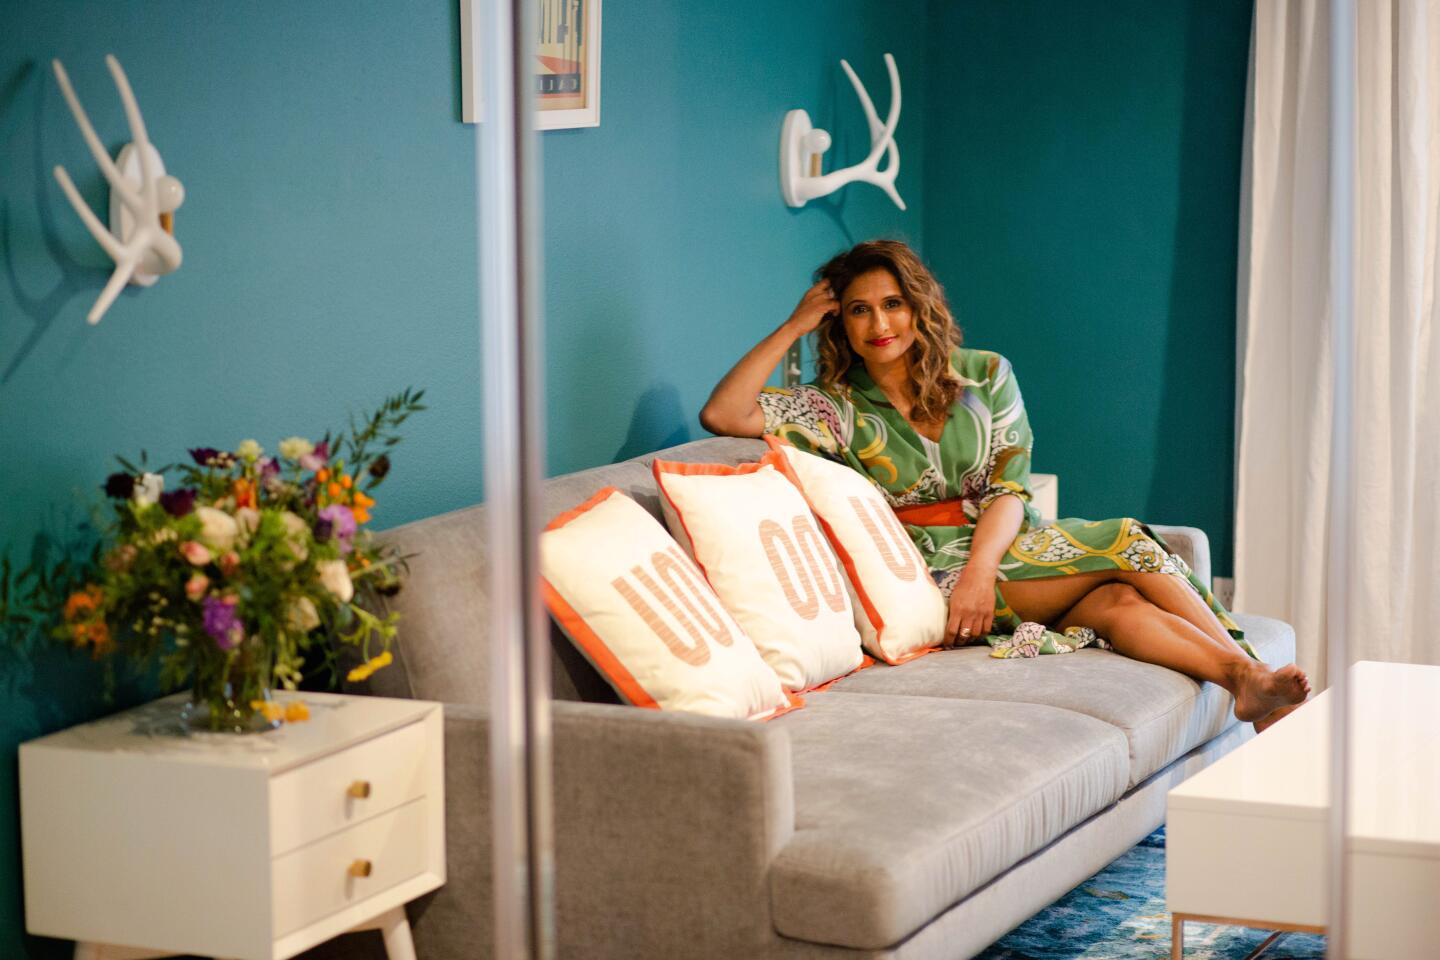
[[395, 928], [1177, 938]]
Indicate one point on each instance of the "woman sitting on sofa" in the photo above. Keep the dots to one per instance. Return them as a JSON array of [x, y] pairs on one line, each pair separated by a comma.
[[941, 429]]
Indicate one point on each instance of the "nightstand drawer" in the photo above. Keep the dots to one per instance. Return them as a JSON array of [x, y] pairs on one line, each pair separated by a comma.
[[346, 788], [340, 871]]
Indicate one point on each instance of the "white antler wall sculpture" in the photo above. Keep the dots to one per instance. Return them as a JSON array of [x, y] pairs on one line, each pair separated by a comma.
[[143, 198], [801, 146]]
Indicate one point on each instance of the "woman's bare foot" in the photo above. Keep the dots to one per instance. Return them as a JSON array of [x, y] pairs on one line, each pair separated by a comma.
[[1280, 713], [1260, 691]]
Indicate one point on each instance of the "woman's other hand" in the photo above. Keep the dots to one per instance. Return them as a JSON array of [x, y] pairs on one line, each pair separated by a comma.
[[972, 606], [818, 303]]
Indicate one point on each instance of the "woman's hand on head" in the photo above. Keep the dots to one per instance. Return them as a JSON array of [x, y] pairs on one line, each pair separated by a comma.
[[972, 607], [818, 303]]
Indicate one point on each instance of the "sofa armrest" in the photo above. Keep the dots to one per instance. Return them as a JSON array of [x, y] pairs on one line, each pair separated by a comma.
[[1192, 544], [665, 828]]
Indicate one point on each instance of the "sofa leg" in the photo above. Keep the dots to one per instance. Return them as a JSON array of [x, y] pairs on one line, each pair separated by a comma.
[[1177, 938]]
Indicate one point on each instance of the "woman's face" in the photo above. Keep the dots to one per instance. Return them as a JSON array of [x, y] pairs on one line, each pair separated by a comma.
[[878, 319]]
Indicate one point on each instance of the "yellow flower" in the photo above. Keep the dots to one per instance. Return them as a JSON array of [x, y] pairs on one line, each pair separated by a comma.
[[296, 712], [272, 710], [367, 668]]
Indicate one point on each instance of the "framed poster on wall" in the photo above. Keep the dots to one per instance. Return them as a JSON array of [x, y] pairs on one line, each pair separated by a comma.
[[567, 63]]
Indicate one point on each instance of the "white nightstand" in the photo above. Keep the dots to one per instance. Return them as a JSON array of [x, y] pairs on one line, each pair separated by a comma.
[[1045, 494], [140, 842]]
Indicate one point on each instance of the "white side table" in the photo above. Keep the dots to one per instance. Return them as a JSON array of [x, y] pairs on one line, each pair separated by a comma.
[[140, 841], [1045, 494]]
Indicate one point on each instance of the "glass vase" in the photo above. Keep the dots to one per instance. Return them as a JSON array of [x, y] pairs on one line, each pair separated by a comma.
[[233, 698]]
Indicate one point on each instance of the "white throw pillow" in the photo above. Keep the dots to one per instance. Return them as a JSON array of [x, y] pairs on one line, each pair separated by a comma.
[[637, 607], [761, 548], [900, 611]]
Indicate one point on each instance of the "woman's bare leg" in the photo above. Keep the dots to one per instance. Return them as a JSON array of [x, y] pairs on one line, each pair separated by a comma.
[[1139, 629], [1045, 600], [1173, 595]]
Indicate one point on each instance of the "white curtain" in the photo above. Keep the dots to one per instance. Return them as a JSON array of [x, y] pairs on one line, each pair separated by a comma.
[[1286, 405]]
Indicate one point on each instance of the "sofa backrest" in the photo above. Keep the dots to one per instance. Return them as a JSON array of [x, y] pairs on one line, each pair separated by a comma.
[[442, 650]]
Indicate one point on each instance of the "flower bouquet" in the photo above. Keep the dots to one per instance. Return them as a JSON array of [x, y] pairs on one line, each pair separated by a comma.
[[230, 568]]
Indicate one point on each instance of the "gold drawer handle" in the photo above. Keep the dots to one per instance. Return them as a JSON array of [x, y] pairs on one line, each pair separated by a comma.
[[360, 789], [360, 868]]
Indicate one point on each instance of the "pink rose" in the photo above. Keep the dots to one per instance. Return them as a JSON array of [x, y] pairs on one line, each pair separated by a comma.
[[196, 586], [121, 558], [229, 562], [196, 553]]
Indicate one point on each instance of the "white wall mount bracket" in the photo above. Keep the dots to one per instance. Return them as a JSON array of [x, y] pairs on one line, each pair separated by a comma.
[[802, 146], [143, 197]]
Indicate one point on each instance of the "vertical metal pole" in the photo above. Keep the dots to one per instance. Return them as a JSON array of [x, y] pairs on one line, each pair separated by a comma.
[[1343, 78], [507, 171]]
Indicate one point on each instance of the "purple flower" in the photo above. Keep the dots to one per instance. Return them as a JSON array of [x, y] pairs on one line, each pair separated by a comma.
[[316, 458], [121, 486], [270, 475], [210, 457], [336, 521], [222, 622], [180, 503]]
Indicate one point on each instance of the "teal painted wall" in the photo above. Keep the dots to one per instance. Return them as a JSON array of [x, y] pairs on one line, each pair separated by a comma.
[[329, 249], [1082, 188], [668, 249]]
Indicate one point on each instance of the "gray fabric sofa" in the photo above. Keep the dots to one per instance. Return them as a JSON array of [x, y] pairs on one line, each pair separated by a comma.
[[917, 811]]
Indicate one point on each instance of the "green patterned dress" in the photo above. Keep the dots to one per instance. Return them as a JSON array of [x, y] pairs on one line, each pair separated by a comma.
[[983, 453]]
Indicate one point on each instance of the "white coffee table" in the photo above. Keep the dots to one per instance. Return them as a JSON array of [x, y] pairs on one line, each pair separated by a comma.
[[1246, 838]]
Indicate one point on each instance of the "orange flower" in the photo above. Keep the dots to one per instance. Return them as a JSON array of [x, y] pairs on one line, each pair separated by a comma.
[[361, 515], [322, 474], [361, 501], [346, 481], [271, 710], [100, 636], [95, 632], [84, 602], [244, 492], [296, 711], [333, 490]]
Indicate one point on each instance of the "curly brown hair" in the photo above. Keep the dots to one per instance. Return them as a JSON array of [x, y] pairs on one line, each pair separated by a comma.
[[932, 387]]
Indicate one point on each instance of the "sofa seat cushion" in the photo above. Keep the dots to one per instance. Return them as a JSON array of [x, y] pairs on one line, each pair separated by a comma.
[[1163, 714], [905, 805]]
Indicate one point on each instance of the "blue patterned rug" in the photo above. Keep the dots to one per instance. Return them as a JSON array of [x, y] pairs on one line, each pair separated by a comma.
[[1119, 914]]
